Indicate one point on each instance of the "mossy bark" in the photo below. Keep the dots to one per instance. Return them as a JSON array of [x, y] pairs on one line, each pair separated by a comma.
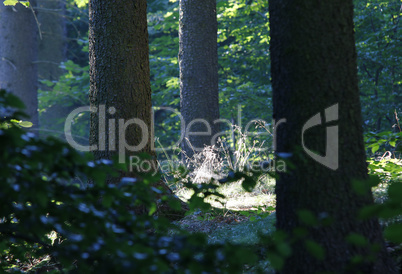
[[313, 68]]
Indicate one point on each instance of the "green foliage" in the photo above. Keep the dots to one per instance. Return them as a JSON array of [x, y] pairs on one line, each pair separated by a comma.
[[243, 43], [56, 209], [81, 3], [163, 27], [307, 217], [379, 58], [393, 233], [243, 62], [15, 2], [386, 140], [315, 249], [357, 239], [278, 249], [243, 50], [69, 91], [388, 170]]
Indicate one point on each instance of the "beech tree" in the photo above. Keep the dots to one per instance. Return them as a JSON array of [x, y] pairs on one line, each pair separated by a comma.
[[314, 78], [198, 61], [18, 55]]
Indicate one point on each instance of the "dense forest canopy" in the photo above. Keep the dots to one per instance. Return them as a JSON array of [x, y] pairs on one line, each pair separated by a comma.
[[243, 51]]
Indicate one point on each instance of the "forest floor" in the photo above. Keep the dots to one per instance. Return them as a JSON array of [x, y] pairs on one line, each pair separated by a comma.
[[239, 218], [242, 216]]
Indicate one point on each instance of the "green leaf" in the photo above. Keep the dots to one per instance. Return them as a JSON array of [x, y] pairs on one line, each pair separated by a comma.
[[300, 232], [389, 211], [248, 183], [10, 2], [374, 180], [81, 3], [42, 199], [315, 249], [393, 233], [307, 217], [26, 124], [395, 191], [153, 209], [107, 200], [361, 187], [276, 261], [14, 2], [174, 204], [370, 211], [356, 239], [374, 148], [25, 3], [284, 249], [357, 259]]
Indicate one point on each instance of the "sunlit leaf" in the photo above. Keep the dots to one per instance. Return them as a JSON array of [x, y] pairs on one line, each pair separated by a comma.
[[10, 2]]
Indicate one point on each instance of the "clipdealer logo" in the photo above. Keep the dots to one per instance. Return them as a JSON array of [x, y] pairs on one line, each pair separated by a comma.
[[331, 157], [119, 126]]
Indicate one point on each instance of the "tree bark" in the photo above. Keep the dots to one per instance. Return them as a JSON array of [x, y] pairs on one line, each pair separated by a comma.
[[51, 52], [119, 76], [198, 61], [313, 69], [52, 46], [120, 92], [18, 53]]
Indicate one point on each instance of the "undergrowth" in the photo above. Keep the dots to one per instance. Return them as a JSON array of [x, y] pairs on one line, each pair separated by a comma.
[[51, 222]]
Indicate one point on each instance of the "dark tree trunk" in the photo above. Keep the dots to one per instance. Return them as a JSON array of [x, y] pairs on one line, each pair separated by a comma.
[[120, 84], [313, 69], [18, 54], [119, 75], [198, 61]]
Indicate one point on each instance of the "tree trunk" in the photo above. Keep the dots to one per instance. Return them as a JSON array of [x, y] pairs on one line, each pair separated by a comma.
[[120, 92], [52, 46], [119, 74], [18, 54], [51, 52], [198, 61], [314, 69]]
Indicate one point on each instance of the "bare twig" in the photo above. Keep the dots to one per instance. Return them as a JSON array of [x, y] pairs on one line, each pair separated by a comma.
[[9, 62], [36, 19]]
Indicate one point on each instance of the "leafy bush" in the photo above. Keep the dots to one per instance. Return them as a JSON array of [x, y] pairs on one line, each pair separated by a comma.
[[52, 219]]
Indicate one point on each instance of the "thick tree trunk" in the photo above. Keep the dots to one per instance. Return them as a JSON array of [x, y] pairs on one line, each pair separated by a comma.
[[120, 92], [18, 54], [198, 60], [51, 52], [314, 69], [119, 75]]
